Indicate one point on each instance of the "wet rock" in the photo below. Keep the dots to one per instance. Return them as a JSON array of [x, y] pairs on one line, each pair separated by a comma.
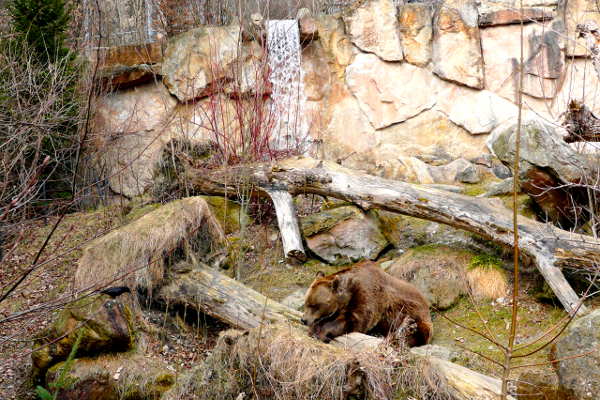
[[110, 378], [581, 375], [190, 58], [457, 45], [105, 325], [373, 28], [417, 31], [389, 93], [343, 235]]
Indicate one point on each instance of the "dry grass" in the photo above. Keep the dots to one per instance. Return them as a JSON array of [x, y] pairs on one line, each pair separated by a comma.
[[487, 283], [137, 253], [282, 362]]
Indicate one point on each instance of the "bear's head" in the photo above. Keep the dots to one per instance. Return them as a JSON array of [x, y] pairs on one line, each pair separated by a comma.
[[326, 297]]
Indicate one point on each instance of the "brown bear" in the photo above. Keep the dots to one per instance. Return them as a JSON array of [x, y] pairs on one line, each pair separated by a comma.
[[365, 299]]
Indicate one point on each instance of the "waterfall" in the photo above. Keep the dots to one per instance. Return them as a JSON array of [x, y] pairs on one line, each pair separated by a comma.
[[286, 77]]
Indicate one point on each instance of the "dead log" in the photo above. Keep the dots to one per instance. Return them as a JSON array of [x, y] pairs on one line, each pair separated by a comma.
[[288, 226], [217, 295], [548, 247], [464, 383]]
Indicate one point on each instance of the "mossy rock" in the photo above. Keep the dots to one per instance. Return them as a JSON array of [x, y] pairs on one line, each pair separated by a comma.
[[230, 214], [106, 326], [437, 271], [113, 377], [327, 219]]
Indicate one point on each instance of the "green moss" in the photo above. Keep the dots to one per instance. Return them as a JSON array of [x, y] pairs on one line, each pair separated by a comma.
[[486, 261], [230, 214]]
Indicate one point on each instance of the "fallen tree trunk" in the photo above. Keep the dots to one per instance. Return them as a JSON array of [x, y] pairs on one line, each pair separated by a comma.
[[226, 299], [288, 226], [463, 382], [550, 248]]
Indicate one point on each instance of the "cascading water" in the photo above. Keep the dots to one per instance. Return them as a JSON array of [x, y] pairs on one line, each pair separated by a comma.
[[287, 93]]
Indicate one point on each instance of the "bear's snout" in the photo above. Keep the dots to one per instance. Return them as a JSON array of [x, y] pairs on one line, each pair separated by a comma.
[[303, 321]]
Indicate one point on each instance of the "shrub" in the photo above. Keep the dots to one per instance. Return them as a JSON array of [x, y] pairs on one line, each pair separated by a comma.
[[42, 24]]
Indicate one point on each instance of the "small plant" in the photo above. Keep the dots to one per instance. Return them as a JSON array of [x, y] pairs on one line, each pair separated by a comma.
[[61, 382]]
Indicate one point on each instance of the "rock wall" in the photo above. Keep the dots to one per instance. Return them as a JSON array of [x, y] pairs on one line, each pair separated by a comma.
[[407, 91]]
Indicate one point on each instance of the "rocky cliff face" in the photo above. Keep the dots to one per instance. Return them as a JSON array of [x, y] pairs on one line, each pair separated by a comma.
[[403, 91]]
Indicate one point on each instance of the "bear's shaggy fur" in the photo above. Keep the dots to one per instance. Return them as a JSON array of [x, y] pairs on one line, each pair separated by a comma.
[[365, 299]]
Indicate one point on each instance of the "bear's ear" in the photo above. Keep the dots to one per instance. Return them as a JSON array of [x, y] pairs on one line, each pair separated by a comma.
[[320, 274], [335, 283]]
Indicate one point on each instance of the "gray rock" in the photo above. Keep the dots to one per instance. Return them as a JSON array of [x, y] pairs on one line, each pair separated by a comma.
[[581, 375], [500, 188], [404, 232], [468, 174], [295, 300], [343, 235], [501, 171]]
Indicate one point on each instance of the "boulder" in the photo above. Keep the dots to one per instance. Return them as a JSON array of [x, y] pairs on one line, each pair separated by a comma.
[[105, 325], [430, 136], [578, 12], [417, 31], [127, 135], [405, 232], [580, 374], [373, 28], [230, 214], [343, 235], [126, 66], [457, 53], [389, 93], [140, 253], [438, 272], [198, 58], [478, 111], [139, 109], [131, 376], [546, 162]]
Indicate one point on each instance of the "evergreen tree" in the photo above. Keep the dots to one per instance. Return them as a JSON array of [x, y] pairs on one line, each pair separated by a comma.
[[42, 23]]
